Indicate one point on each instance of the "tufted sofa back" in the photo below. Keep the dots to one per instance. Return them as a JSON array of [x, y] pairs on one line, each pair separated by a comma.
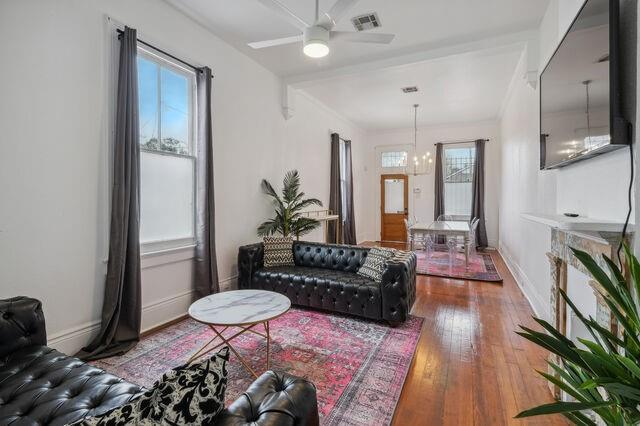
[[329, 256], [21, 324]]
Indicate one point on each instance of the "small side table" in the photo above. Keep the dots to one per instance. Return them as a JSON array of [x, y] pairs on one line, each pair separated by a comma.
[[241, 309]]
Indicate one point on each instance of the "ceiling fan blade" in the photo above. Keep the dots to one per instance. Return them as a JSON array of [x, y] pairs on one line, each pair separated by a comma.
[[275, 42], [285, 13], [380, 38], [330, 18]]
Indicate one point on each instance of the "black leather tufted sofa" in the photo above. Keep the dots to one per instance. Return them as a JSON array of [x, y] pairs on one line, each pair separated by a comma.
[[324, 277], [39, 385]]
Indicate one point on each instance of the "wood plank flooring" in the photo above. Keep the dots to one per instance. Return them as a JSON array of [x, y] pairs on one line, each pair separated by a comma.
[[470, 368]]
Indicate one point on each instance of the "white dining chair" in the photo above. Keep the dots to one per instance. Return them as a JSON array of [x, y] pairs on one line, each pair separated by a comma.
[[473, 227]]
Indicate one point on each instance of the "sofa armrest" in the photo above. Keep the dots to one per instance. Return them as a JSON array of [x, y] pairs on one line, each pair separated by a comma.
[[250, 259], [399, 288], [21, 324], [274, 399]]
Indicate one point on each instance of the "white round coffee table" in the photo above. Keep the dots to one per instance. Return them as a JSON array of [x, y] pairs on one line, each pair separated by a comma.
[[243, 309]]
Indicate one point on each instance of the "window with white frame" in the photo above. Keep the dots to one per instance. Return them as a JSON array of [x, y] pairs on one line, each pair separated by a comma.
[[393, 159], [458, 180], [167, 152]]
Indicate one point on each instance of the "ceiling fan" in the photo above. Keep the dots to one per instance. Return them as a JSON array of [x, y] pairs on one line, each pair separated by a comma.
[[315, 38]]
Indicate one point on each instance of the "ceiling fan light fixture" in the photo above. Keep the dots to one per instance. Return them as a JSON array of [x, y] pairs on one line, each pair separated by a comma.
[[316, 42]]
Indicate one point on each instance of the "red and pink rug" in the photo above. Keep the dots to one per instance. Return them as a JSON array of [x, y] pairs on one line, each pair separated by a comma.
[[358, 366], [481, 266]]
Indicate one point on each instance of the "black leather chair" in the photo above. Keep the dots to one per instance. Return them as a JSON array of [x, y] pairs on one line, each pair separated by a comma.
[[39, 385], [324, 277]]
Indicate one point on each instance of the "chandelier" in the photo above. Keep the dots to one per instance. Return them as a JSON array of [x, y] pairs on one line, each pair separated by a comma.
[[421, 164]]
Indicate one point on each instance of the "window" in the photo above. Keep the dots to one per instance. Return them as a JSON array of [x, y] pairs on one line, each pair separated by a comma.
[[458, 180], [167, 153], [394, 159]]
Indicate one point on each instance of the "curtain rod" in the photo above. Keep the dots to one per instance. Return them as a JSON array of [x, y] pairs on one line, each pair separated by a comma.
[[193, 67], [459, 142]]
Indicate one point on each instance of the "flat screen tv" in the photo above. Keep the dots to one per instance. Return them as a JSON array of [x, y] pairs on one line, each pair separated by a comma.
[[580, 90]]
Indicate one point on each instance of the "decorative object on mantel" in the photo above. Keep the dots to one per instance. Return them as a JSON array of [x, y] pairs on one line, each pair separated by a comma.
[[289, 219], [602, 376], [421, 165], [437, 263]]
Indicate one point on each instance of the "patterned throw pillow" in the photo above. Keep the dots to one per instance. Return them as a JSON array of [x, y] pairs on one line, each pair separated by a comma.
[[190, 394], [375, 263], [278, 251]]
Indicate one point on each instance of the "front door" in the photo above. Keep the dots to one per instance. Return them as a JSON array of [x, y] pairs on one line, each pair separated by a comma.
[[394, 190]]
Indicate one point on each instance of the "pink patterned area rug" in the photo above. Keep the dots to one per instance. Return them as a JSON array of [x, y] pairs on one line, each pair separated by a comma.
[[358, 366], [481, 266]]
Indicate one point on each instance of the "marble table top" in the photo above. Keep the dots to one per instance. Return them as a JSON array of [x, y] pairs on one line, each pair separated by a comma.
[[239, 307]]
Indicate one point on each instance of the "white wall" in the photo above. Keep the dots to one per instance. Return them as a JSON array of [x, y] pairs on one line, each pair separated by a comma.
[[54, 163], [421, 205], [595, 188]]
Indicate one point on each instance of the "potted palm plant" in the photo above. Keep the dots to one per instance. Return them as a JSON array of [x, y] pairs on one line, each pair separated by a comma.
[[288, 219], [601, 375]]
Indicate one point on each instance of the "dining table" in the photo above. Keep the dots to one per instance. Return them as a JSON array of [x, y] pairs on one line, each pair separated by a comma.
[[448, 228]]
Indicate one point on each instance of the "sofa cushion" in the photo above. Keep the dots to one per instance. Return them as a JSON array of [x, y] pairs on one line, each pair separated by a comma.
[[376, 263], [190, 394], [328, 289], [277, 251], [39, 385]]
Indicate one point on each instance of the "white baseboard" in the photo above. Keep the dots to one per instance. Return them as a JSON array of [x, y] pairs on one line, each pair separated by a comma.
[[154, 314], [539, 307]]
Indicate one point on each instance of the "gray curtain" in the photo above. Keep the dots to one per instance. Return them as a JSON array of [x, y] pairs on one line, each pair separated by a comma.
[[206, 266], [335, 191], [349, 230], [121, 309], [438, 203], [477, 199]]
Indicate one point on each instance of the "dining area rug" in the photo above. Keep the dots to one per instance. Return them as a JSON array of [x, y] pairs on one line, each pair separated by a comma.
[[358, 366], [481, 266]]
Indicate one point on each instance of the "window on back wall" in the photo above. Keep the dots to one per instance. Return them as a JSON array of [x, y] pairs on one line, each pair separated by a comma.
[[393, 159], [458, 180], [167, 152]]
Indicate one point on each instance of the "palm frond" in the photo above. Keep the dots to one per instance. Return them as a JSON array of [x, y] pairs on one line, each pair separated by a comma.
[[267, 228], [290, 186], [602, 375], [303, 225], [288, 207]]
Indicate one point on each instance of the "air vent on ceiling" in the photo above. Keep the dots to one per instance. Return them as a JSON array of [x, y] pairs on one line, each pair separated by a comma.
[[366, 21], [410, 89]]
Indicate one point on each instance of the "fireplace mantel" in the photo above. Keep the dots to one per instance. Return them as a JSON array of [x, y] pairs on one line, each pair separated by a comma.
[[580, 223], [596, 237]]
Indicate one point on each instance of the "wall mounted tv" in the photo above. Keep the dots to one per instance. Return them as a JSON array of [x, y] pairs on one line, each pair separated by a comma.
[[580, 90]]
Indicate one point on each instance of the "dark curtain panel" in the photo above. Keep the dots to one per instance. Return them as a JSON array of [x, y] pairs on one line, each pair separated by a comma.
[[438, 203], [335, 191], [121, 309], [477, 199], [206, 266], [349, 230]]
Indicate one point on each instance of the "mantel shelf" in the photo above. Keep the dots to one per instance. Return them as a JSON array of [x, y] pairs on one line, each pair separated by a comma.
[[580, 223]]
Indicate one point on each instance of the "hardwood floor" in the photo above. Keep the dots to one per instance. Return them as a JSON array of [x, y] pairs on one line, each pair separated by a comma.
[[470, 368]]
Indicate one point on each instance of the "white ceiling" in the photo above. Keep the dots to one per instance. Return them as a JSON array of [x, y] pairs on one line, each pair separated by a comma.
[[418, 25], [455, 89]]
